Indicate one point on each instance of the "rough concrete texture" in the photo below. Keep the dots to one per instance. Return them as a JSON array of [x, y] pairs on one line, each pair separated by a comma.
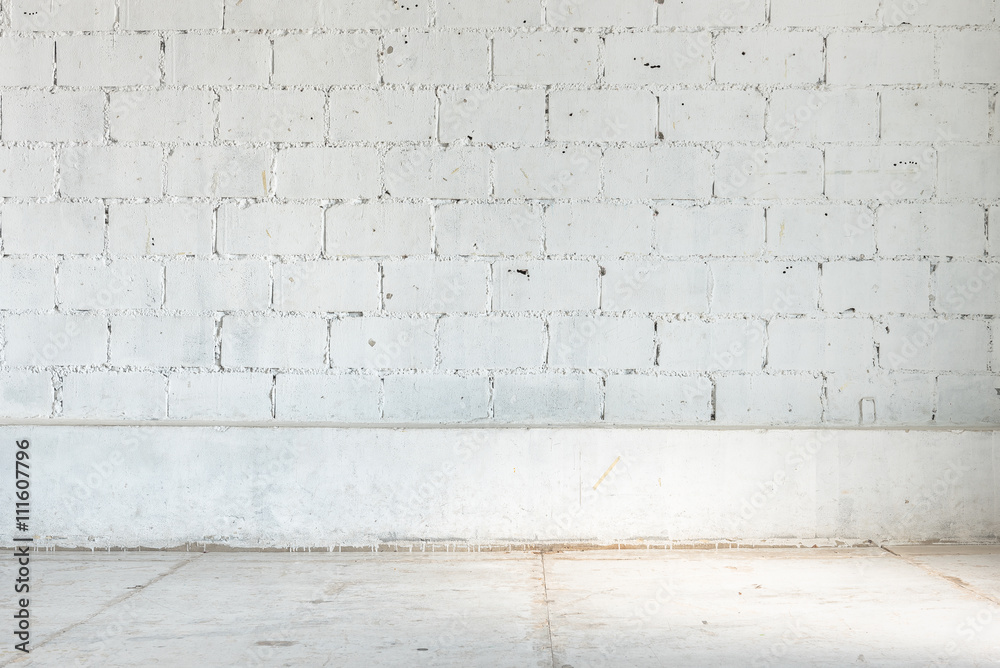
[[99, 487], [211, 191], [823, 607]]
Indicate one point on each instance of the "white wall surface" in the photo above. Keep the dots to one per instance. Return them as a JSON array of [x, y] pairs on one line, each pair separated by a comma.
[[94, 487], [730, 212]]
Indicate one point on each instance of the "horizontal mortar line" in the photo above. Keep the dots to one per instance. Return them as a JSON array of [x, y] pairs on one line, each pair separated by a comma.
[[483, 426]]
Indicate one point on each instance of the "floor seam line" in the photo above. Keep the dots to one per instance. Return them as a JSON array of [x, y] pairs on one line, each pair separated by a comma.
[[927, 569], [115, 601], [548, 617]]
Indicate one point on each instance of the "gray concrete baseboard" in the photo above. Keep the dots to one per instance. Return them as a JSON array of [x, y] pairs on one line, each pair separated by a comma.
[[486, 488]]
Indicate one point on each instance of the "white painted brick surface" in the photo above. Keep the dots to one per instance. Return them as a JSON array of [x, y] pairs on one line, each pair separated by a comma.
[[712, 115], [382, 343], [90, 285], [269, 342], [220, 396], [601, 343], [739, 212], [26, 394], [124, 396], [163, 341], [492, 342], [28, 284]]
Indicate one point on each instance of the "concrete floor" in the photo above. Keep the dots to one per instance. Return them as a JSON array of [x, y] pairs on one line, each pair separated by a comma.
[[780, 607]]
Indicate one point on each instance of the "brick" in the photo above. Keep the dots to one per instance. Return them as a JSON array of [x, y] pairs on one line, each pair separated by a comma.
[[884, 172], [492, 343], [682, 172], [270, 229], [436, 398], [162, 341], [489, 14], [764, 287], [882, 286], [226, 60], [547, 399], [272, 115], [62, 15], [381, 14], [585, 342], [708, 230], [47, 340], [442, 286], [545, 58], [710, 345], [25, 394], [967, 288], [321, 398], [994, 230], [326, 287], [861, 59], [820, 345], [598, 13], [602, 115], [26, 172], [274, 342], [206, 285], [452, 173], [935, 114], [183, 15], [29, 61], [969, 171], [115, 395], [712, 13], [657, 400], [34, 115], [769, 57], [925, 344], [218, 171], [382, 115], [659, 58], [103, 60], [969, 400], [493, 116], [160, 229], [185, 116], [768, 400], [327, 173], [28, 284], [324, 60], [436, 58], [548, 173], [488, 229], [962, 59], [220, 396], [545, 285], [847, 13], [382, 343], [599, 229], [712, 115], [821, 230], [655, 286], [111, 171], [898, 398], [92, 284], [62, 228], [938, 12], [794, 172], [378, 229], [810, 116], [931, 229], [274, 15]]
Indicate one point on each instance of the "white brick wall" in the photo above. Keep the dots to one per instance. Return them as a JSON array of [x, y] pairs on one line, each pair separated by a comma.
[[739, 212]]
